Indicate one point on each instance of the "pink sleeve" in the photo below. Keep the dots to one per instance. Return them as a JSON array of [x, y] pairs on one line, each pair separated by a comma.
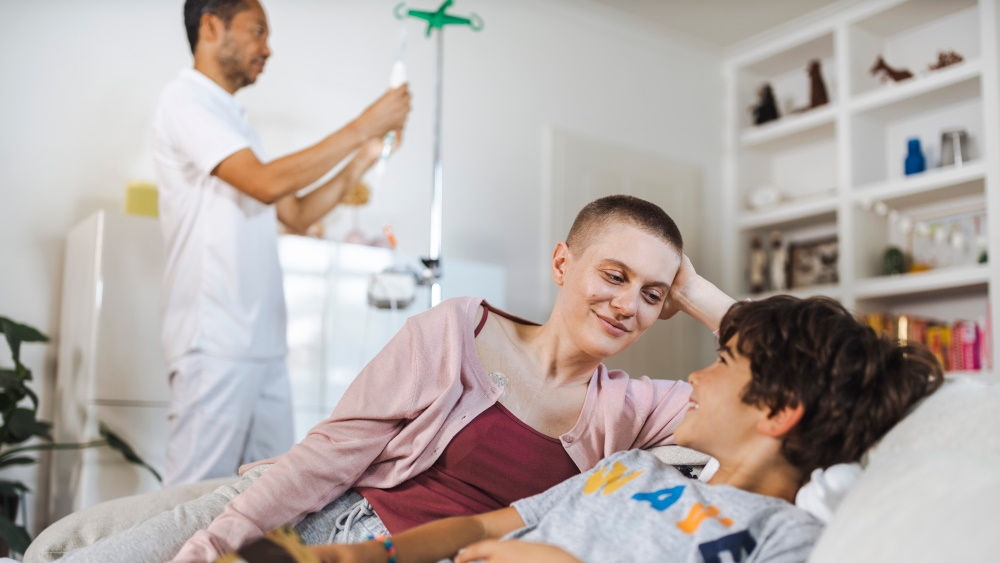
[[390, 391], [623, 413], [661, 404]]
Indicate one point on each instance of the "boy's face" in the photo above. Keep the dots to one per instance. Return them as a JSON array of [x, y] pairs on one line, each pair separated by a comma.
[[613, 289], [717, 421]]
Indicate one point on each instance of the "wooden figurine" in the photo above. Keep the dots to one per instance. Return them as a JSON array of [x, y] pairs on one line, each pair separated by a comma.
[[946, 58], [758, 265], [766, 108], [779, 263], [817, 89], [895, 74]]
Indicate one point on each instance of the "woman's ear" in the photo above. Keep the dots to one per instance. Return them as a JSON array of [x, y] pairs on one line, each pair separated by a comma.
[[782, 421], [560, 257]]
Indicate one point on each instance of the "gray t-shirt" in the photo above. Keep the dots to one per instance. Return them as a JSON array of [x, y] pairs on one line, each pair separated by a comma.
[[633, 507]]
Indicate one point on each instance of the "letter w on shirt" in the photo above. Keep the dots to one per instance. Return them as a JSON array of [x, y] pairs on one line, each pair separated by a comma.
[[610, 480]]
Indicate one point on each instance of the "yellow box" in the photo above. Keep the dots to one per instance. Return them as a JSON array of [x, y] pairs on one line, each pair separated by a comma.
[[141, 198]]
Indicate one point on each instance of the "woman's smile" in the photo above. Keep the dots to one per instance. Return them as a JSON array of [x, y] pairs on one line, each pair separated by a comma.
[[611, 326]]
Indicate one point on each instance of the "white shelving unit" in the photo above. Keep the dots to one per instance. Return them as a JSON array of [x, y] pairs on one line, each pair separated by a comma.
[[839, 167]]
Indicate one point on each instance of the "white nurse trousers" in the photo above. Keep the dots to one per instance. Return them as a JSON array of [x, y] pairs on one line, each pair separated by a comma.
[[224, 413]]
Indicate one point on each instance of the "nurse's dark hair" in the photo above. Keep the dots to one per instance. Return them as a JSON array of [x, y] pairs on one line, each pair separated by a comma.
[[194, 9], [854, 384], [616, 209]]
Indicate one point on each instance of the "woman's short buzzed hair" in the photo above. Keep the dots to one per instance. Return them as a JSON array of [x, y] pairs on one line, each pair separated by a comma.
[[854, 385], [622, 209]]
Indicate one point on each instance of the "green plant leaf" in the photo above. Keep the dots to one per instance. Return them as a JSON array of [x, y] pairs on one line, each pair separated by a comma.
[[17, 460], [21, 331], [12, 487], [22, 425], [49, 446], [34, 398], [16, 536], [16, 333], [126, 450], [13, 342], [9, 379], [13, 384]]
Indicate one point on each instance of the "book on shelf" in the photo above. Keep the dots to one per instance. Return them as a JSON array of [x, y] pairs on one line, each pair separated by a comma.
[[960, 345]]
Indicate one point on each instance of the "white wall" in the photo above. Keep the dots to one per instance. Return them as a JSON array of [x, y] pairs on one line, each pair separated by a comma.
[[80, 81]]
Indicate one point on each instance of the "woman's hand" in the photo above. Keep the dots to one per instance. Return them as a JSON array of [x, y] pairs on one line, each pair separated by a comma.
[[513, 551], [695, 296], [685, 274]]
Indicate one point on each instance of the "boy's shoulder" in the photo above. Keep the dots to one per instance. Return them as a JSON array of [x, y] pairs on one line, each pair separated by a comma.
[[640, 459]]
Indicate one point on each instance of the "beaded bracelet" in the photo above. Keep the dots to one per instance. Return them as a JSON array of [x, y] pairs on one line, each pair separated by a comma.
[[390, 549]]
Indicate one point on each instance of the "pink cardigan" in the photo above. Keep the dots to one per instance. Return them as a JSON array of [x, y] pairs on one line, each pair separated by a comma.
[[403, 409]]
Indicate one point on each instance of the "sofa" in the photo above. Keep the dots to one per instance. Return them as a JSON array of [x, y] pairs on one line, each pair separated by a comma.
[[928, 492]]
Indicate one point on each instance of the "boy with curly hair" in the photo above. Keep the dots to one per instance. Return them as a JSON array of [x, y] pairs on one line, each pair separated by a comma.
[[799, 384]]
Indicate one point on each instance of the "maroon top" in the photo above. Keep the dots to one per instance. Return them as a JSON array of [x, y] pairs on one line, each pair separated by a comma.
[[490, 463], [495, 460]]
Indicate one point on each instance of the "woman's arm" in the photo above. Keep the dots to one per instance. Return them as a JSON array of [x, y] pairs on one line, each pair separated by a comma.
[[430, 542], [696, 296], [385, 398]]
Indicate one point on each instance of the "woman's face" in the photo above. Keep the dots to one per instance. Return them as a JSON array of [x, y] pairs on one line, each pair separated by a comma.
[[613, 289]]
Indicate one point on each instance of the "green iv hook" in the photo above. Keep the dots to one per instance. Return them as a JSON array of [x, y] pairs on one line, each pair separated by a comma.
[[437, 19]]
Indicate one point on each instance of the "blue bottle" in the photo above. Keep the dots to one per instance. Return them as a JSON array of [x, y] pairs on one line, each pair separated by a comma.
[[915, 161]]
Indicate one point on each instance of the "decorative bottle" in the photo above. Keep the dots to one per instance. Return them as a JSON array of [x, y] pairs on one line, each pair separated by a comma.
[[915, 161]]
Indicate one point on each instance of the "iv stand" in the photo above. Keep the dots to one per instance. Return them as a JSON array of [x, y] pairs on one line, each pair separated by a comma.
[[436, 20]]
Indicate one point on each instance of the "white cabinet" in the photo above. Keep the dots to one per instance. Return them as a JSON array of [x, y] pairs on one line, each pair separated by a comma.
[[110, 366], [839, 167]]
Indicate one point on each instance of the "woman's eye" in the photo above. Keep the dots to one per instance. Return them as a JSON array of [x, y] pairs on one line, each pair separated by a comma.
[[654, 297], [614, 277]]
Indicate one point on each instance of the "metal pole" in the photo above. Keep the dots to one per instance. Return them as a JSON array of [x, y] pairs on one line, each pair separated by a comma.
[[438, 194]]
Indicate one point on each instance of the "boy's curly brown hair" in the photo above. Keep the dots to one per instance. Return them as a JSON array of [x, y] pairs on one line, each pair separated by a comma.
[[854, 385]]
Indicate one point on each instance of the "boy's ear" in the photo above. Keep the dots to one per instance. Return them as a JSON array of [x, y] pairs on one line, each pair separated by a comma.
[[781, 421]]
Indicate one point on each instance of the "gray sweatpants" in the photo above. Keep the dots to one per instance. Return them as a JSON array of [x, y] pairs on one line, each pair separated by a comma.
[[348, 519]]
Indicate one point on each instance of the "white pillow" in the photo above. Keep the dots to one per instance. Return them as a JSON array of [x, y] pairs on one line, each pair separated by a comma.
[[930, 489], [826, 488]]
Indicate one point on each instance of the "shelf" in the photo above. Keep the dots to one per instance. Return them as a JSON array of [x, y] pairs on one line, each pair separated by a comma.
[[926, 187], [790, 58], [912, 14], [922, 93], [923, 282], [791, 130], [829, 290], [840, 167], [790, 214]]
